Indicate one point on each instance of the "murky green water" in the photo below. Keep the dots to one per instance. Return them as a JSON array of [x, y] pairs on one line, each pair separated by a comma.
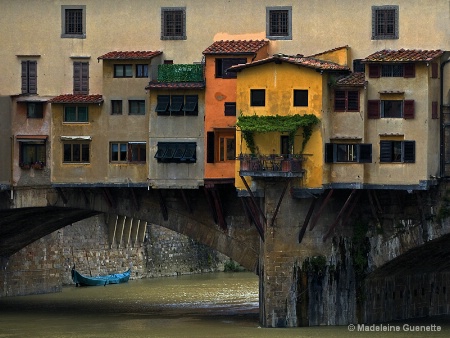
[[209, 305]]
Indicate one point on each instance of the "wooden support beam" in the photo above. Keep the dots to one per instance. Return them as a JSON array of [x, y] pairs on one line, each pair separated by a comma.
[[119, 229], [319, 212], [134, 231], [377, 201], [218, 208], [109, 198], [85, 196], [372, 206], [142, 231], [162, 204], [186, 201], [253, 199], [134, 199], [307, 218], [211, 204], [279, 203], [253, 213], [347, 202], [61, 194], [112, 224], [353, 205], [127, 231]]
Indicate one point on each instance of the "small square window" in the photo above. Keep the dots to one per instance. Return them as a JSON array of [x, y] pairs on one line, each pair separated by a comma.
[[173, 23], [116, 107], [136, 107], [384, 22], [230, 108], [77, 152], [279, 23], [76, 114], [73, 22], [35, 110], [257, 97], [123, 71], [162, 107], [392, 108], [142, 70], [300, 98]]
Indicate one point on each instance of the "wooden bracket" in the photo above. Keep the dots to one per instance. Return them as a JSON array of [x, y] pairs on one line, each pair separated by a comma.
[[343, 209], [61, 194], [279, 203], [253, 199], [109, 198], [162, 204], [307, 218], [251, 211], [319, 212]]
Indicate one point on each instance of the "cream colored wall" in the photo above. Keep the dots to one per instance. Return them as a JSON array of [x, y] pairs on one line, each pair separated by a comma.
[[176, 129]]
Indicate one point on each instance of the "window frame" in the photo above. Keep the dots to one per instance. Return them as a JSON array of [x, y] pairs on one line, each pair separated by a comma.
[[38, 113], [77, 114], [407, 151], [171, 11], [38, 152], [116, 107], [29, 77], [255, 101], [83, 145], [81, 34], [299, 101], [362, 153], [222, 64], [229, 108], [346, 101], [270, 32], [126, 151], [376, 24], [176, 152], [124, 67], [140, 105], [81, 77], [141, 70]]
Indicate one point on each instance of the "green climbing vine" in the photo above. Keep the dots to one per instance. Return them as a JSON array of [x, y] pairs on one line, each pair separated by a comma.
[[249, 124]]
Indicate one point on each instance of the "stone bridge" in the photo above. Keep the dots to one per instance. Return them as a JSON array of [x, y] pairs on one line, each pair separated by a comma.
[[340, 257]]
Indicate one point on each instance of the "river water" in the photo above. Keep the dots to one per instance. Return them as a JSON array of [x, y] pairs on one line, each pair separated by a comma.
[[207, 305]]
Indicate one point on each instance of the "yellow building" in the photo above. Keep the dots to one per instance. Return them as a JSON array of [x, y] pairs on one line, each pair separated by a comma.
[[281, 102]]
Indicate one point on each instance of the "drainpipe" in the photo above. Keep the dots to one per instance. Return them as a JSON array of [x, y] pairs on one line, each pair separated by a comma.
[[441, 116]]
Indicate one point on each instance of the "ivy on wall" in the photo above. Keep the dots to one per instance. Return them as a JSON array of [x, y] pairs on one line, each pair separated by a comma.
[[249, 124], [180, 73]]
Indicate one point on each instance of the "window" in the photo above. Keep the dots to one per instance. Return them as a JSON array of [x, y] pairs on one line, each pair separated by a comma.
[[123, 71], [176, 152], [406, 70], [391, 109], [397, 151], [346, 100], [73, 21], [350, 152], [358, 67], [257, 97], [279, 23], [136, 107], [173, 23], [29, 77], [141, 70], [128, 152], [221, 146], [32, 152], [76, 152], [222, 64], [81, 78], [35, 110], [384, 22], [177, 105], [116, 107], [76, 114], [230, 108], [300, 98]]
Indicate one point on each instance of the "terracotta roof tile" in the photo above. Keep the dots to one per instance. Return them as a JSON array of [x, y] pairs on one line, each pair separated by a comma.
[[70, 98], [175, 85], [298, 59], [354, 79], [130, 55], [235, 47], [403, 55]]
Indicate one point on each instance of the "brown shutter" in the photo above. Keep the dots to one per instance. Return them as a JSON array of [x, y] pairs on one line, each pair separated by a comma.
[[408, 109], [434, 70], [374, 70], [85, 78], [373, 109], [24, 77], [81, 78], [409, 70], [434, 110], [76, 77], [32, 77]]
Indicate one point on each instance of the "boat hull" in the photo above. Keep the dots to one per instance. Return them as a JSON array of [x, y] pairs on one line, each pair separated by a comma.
[[116, 278]]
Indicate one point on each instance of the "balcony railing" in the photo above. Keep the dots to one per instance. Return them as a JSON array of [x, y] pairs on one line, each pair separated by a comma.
[[271, 165]]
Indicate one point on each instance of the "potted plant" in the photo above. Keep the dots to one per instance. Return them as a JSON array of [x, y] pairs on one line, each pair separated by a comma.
[[24, 166], [38, 165]]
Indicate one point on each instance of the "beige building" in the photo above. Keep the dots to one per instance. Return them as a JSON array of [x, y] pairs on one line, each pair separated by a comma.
[[60, 57]]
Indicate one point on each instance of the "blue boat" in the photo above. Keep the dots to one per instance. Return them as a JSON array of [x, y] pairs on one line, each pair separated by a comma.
[[116, 278]]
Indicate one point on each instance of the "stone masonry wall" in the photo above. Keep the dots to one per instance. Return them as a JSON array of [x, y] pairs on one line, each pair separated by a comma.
[[44, 266]]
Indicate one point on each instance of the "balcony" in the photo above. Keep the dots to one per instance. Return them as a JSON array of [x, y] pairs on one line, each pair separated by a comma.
[[271, 165]]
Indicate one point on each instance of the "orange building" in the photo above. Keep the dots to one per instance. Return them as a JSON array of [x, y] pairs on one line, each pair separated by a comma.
[[220, 104]]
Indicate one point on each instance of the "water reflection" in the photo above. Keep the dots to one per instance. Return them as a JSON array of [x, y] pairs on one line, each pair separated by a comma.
[[209, 305]]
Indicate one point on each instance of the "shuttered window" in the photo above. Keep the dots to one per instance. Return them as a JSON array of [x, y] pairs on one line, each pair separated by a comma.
[[81, 78], [346, 100], [29, 77], [348, 152], [397, 151], [391, 109], [406, 70], [222, 64]]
